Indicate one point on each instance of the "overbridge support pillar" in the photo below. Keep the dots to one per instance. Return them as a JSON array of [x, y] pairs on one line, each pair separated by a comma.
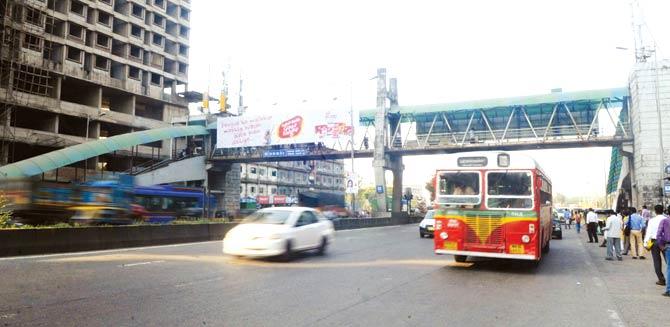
[[397, 168], [379, 159], [223, 182]]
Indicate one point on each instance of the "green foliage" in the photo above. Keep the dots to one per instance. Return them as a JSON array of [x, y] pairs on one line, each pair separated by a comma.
[[430, 187], [5, 213]]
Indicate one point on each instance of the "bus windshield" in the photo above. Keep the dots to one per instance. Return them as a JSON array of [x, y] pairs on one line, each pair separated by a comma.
[[459, 188], [509, 190]]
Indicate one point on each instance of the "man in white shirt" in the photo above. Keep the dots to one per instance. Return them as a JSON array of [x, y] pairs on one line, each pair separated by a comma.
[[613, 227], [592, 225], [652, 230]]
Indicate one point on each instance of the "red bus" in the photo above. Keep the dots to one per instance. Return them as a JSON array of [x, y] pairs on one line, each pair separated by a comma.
[[492, 204]]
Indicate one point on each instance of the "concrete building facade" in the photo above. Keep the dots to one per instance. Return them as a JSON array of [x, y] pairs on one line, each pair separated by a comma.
[[286, 179], [76, 70]]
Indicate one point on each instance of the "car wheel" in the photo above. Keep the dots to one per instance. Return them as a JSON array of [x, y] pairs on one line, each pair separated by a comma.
[[460, 258], [560, 236], [420, 235], [322, 247], [288, 252]]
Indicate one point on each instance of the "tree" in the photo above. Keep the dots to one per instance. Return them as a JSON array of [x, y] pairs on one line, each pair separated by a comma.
[[430, 187], [5, 213]]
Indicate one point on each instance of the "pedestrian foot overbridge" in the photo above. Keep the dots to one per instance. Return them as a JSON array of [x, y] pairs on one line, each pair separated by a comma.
[[70, 155], [556, 120]]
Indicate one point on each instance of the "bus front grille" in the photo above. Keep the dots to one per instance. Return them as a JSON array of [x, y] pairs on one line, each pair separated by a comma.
[[484, 230]]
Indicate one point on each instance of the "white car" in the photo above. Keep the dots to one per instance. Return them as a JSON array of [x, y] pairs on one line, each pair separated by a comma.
[[426, 226], [279, 231]]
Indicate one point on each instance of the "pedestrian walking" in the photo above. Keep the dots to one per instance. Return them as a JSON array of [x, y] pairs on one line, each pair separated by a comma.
[[578, 221], [625, 240], [566, 218], [635, 225], [652, 232], [613, 228], [591, 225], [663, 239]]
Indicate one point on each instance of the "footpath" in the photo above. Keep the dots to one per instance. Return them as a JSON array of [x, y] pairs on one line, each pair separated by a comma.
[[630, 284]]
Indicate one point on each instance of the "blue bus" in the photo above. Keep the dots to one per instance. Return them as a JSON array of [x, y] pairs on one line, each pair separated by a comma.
[[154, 204], [164, 203]]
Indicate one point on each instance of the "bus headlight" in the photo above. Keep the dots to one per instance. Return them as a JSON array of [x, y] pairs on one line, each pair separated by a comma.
[[525, 238], [444, 235]]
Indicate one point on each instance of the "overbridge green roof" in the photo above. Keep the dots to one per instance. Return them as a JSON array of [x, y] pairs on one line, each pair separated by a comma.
[[67, 156], [614, 94]]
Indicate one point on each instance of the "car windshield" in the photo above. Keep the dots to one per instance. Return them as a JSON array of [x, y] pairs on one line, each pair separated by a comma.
[[267, 217], [429, 215]]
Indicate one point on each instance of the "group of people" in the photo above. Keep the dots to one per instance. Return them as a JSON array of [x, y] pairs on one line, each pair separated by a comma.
[[638, 233]]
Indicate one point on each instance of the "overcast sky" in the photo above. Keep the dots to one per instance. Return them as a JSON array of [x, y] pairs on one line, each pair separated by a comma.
[[441, 51]]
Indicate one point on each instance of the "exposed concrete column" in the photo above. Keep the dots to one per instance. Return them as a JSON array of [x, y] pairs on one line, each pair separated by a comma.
[[649, 87], [58, 86], [397, 168], [379, 159], [226, 178], [56, 122]]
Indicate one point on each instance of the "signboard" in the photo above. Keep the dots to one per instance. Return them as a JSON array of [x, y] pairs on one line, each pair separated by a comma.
[[351, 183], [666, 188], [473, 161], [278, 129], [263, 199], [285, 153], [380, 189], [667, 169]]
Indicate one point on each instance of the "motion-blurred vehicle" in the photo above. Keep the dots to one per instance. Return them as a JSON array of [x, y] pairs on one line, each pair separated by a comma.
[[427, 224], [279, 231], [100, 215], [557, 230]]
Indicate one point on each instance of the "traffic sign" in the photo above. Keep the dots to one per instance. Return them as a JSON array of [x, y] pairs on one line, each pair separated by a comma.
[[667, 169], [666, 188]]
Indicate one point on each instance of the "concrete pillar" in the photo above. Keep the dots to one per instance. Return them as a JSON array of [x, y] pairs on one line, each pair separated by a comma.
[[649, 86], [397, 169], [379, 159], [57, 87], [226, 178]]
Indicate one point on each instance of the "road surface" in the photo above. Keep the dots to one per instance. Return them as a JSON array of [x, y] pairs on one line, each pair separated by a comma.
[[370, 277]]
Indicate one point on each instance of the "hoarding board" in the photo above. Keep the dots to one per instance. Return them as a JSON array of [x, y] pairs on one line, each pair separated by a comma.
[[279, 129]]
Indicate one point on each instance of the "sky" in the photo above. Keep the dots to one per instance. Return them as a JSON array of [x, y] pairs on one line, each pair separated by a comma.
[[303, 54]]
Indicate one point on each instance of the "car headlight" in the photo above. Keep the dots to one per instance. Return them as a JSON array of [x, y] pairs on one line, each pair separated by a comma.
[[275, 237]]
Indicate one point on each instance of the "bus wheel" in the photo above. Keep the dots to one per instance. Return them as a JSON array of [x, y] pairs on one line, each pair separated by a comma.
[[460, 258], [546, 248]]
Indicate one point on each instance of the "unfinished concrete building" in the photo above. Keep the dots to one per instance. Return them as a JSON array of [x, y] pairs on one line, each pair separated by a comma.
[[76, 70]]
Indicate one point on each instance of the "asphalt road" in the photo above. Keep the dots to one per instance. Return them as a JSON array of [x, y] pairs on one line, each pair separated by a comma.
[[372, 277]]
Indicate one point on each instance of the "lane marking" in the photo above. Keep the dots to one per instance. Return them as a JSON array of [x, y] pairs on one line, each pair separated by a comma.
[[614, 318], [71, 254], [140, 263]]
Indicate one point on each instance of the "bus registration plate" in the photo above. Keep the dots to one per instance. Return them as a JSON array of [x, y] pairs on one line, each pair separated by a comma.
[[450, 246], [516, 249]]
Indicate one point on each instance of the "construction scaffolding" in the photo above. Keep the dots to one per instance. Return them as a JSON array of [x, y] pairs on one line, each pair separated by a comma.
[[24, 26]]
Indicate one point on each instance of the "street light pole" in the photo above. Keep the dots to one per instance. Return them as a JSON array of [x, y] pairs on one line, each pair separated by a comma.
[[88, 122], [351, 116]]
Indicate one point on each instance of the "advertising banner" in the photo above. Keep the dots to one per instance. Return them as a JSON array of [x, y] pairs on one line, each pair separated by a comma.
[[236, 132], [278, 129]]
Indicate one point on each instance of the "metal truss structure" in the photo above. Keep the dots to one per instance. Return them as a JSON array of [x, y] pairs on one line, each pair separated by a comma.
[[557, 120]]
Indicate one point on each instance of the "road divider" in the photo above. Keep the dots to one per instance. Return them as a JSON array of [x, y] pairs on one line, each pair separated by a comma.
[[18, 242]]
